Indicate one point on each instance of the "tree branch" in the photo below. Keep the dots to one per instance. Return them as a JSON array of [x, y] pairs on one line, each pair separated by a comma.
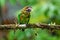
[[17, 26]]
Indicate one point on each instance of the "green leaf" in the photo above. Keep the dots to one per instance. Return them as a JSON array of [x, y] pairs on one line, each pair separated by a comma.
[[2, 2], [13, 2], [11, 35]]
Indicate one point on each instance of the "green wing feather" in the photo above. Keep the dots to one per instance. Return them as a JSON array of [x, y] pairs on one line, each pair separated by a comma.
[[19, 18]]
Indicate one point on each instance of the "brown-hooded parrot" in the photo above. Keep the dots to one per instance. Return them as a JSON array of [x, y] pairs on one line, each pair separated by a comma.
[[24, 16]]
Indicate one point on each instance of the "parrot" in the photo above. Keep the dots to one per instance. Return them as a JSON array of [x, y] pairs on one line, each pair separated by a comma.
[[24, 16]]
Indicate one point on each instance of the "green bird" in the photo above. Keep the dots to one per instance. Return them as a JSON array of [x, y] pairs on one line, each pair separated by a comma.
[[24, 16]]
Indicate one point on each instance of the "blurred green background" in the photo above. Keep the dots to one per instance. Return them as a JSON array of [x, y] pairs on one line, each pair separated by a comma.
[[43, 11]]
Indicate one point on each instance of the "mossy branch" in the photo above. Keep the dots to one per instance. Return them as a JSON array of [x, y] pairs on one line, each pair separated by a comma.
[[38, 25]]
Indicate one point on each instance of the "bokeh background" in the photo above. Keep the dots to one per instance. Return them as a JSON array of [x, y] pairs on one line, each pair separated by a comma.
[[43, 11]]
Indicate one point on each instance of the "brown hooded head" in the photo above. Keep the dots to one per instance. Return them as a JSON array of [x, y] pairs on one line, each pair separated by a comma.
[[27, 9]]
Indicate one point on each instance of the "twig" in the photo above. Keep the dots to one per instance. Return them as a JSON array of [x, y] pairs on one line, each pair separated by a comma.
[[17, 26]]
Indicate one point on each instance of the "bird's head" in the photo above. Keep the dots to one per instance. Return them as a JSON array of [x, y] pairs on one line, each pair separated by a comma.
[[28, 9]]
